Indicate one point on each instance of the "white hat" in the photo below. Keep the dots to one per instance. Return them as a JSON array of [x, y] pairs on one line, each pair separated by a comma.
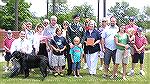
[[9, 32]]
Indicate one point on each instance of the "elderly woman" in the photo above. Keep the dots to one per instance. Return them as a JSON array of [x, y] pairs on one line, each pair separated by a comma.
[[91, 47], [39, 42]]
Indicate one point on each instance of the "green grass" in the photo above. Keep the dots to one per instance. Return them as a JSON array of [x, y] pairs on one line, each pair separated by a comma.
[[34, 78]]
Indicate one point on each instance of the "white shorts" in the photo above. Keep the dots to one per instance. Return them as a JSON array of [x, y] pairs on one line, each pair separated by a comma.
[[121, 57]]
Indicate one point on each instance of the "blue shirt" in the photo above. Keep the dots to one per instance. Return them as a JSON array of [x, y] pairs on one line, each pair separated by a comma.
[[108, 35], [76, 53]]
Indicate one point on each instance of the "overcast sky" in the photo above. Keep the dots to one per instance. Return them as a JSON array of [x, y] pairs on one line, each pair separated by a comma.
[[39, 6]]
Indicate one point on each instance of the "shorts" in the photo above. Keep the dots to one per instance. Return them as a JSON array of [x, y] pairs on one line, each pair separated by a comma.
[[58, 60], [108, 55], [138, 57], [121, 57], [7, 56], [76, 66]]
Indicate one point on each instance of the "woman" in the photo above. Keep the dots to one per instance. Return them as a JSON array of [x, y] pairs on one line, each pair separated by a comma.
[[91, 47], [39, 42], [122, 54]]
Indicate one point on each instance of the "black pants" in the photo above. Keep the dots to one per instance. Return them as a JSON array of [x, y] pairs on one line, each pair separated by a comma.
[[69, 62], [43, 50]]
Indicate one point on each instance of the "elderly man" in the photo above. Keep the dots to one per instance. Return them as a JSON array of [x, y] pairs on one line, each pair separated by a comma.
[[21, 44]]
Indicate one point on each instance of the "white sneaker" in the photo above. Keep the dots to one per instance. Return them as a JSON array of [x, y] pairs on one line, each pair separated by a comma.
[[85, 66], [121, 71], [131, 73], [142, 72], [101, 68], [75, 76]]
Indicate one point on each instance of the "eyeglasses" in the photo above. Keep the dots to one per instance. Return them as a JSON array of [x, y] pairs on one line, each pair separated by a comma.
[[103, 21]]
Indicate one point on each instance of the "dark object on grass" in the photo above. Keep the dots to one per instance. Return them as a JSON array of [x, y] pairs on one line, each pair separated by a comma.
[[27, 61]]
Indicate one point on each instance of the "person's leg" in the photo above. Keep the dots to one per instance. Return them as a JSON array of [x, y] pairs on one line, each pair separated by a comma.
[[115, 70], [85, 63], [141, 57], [94, 61], [107, 57], [124, 71]]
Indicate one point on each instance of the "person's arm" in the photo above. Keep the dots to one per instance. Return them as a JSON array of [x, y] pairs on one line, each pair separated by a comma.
[[13, 46], [120, 44]]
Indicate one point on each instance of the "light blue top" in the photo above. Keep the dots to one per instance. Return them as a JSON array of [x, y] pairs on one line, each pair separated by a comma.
[[76, 53], [108, 36]]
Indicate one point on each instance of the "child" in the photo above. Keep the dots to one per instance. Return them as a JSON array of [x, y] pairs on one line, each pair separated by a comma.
[[58, 44], [7, 45], [139, 48], [131, 33], [76, 53]]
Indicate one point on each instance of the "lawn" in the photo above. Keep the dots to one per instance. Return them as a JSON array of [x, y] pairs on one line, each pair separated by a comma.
[[50, 79]]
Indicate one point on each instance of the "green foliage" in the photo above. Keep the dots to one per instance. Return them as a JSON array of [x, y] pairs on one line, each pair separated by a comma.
[[148, 36], [8, 14], [147, 10], [144, 24], [122, 11]]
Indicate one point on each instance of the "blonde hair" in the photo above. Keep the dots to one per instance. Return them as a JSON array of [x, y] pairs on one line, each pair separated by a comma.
[[76, 39]]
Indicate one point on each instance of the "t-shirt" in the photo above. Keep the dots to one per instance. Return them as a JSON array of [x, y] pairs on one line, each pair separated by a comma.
[[76, 53], [140, 41], [121, 39], [58, 42]]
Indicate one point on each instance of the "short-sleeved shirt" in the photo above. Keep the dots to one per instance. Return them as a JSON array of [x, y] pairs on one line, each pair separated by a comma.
[[140, 41], [96, 35], [8, 42], [76, 53], [122, 39], [108, 36], [58, 42]]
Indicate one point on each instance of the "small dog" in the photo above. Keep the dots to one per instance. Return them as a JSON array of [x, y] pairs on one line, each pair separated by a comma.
[[25, 62]]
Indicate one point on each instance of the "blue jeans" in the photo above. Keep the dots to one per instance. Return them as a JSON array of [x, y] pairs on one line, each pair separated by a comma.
[[76, 66]]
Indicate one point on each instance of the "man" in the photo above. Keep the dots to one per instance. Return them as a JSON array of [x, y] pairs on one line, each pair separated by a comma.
[[74, 30], [108, 44], [101, 54], [21, 44]]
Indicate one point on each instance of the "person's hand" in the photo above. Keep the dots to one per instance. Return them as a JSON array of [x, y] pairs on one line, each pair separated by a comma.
[[103, 49], [71, 45], [127, 46], [57, 50], [72, 61], [80, 45]]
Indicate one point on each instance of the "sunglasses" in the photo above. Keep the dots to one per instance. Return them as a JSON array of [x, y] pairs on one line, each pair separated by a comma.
[[103, 21]]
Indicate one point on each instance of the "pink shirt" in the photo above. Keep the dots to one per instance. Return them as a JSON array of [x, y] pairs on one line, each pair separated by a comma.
[[8, 42], [140, 41], [131, 26]]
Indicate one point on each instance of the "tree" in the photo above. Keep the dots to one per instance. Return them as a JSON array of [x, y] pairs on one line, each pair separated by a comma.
[[122, 10], [7, 14], [147, 11]]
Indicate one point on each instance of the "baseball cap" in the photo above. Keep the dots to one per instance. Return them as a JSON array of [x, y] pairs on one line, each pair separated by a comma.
[[9, 32], [76, 15], [139, 29], [131, 18]]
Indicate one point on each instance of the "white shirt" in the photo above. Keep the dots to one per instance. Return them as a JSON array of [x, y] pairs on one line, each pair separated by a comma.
[[21, 45]]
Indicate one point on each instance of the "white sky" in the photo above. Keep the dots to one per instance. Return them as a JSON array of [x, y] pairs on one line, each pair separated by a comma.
[[39, 6]]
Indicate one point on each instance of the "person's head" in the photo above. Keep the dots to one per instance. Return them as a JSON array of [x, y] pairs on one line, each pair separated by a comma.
[[9, 33], [132, 20], [122, 28], [76, 18], [113, 21], [131, 31], [65, 24], [53, 20], [104, 22], [86, 21], [28, 25], [92, 24], [45, 22], [39, 27], [22, 34], [59, 31], [24, 26], [76, 40]]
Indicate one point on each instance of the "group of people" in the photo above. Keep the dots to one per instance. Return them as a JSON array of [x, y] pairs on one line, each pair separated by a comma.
[[73, 41]]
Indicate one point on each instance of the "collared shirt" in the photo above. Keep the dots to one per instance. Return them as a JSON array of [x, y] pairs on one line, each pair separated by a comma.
[[50, 30], [30, 35], [92, 34], [21, 45], [108, 36]]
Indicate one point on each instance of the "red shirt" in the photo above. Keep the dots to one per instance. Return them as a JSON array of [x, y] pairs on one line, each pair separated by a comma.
[[140, 41], [8, 42]]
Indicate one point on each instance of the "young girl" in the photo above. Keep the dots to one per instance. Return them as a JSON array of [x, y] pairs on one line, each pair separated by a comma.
[[76, 53], [58, 44]]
